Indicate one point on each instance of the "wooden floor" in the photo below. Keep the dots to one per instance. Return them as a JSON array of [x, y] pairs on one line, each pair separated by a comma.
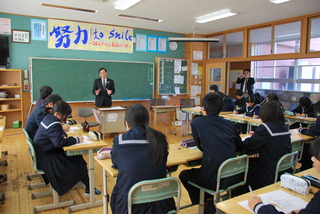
[[18, 197]]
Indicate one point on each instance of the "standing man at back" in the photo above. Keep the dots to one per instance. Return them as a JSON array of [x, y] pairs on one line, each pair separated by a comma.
[[103, 88], [246, 83]]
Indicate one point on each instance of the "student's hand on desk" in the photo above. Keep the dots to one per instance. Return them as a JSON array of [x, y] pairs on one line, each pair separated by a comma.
[[80, 139], [251, 133], [97, 91], [235, 112], [65, 128], [295, 211], [253, 201], [255, 117]]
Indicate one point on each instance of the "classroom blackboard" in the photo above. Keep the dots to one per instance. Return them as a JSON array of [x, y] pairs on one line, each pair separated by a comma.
[[73, 78], [172, 76]]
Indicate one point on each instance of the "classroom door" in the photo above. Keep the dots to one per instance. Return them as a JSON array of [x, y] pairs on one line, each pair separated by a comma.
[[216, 74]]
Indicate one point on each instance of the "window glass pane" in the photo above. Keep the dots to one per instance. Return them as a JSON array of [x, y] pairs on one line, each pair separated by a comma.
[[216, 48], [287, 38], [315, 35], [234, 43], [215, 75], [260, 40]]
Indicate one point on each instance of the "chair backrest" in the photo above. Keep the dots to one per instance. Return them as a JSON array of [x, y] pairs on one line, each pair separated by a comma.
[[97, 116], [185, 103], [287, 161], [85, 112], [154, 190], [32, 152], [157, 102], [297, 146], [231, 167]]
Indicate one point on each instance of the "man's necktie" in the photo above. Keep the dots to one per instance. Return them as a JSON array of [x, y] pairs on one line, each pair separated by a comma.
[[104, 84], [245, 85]]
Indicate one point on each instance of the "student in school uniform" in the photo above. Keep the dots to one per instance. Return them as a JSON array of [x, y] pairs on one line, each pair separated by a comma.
[[313, 207], [62, 171], [314, 131], [37, 114], [228, 104], [240, 102], [272, 140], [139, 154], [305, 108], [274, 97], [45, 91], [217, 139]]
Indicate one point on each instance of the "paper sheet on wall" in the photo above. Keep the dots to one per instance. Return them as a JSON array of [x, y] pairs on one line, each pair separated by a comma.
[[197, 55], [178, 79], [194, 70], [195, 90], [177, 66], [177, 90]]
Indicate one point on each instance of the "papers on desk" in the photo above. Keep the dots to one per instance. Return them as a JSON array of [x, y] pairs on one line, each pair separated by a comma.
[[305, 117], [112, 108], [243, 138], [1, 128], [85, 141], [238, 115], [73, 129], [282, 200]]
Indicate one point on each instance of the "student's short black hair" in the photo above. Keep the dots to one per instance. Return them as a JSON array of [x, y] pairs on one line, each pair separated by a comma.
[[271, 112], [273, 97], [239, 93], [247, 69], [53, 98], [251, 99], [102, 69], [317, 107], [63, 108], [212, 103], [315, 148], [214, 88], [45, 91], [305, 101]]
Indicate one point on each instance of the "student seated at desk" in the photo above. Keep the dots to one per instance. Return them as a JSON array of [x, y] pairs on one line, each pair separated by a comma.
[[139, 154], [305, 108], [274, 97], [255, 203], [37, 115], [217, 139], [228, 104], [45, 91], [240, 102], [272, 140], [62, 171]]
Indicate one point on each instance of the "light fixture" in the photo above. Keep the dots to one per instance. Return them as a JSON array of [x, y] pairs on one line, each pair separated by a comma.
[[216, 15], [140, 18], [69, 8], [125, 4], [192, 39], [278, 1]]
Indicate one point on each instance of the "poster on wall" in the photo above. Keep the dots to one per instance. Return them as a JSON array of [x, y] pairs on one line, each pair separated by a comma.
[[38, 29], [5, 26], [85, 36]]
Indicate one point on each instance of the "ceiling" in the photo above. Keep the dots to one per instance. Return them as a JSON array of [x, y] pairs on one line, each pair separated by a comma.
[[177, 15]]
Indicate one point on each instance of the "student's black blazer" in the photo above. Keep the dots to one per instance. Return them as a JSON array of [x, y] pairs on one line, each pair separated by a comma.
[[103, 95]]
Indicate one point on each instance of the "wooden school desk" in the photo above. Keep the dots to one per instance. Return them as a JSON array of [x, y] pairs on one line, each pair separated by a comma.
[[297, 119], [176, 157], [231, 205], [160, 109], [83, 149]]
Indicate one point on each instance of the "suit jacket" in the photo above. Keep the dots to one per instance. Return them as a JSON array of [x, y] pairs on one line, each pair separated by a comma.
[[103, 95], [250, 83]]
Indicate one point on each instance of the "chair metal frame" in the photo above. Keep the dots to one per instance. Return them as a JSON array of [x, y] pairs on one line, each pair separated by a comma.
[[155, 190], [230, 167], [56, 203], [287, 161], [298, 146]]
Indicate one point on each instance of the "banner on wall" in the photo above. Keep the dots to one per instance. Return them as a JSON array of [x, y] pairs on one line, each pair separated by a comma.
[[85, 36]]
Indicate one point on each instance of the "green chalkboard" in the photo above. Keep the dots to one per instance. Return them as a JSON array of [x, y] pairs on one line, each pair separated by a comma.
[[172, 76], [73, 78]]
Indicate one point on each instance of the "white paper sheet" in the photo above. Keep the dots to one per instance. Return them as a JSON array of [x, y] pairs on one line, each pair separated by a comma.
[[85, 141], [73, 129]]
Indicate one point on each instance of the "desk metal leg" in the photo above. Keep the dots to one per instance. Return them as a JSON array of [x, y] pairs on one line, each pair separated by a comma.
[[154, 118], [105, 192], [187, 129], [174, 122], [92, 202]]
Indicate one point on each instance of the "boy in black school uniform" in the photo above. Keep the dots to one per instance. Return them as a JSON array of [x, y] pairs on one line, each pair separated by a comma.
[[240, 102], [217, 139], [228, 104]]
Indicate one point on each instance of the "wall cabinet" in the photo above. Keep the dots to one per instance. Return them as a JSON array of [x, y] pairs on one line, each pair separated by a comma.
[[11, 104]]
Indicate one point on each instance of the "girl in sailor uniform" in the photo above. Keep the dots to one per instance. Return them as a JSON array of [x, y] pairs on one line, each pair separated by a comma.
[[272, 140], [62, 171], [139, 154]]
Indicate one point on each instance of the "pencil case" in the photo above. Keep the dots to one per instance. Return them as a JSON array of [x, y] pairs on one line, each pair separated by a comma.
[[295, 183], [188, 143], [104, 153]]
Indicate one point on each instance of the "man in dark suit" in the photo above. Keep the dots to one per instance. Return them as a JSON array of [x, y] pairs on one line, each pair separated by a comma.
[[103, 88], [246, 82]]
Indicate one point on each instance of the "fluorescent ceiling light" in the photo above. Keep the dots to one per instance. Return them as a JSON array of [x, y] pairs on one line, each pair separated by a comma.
[[278, 1], [140, 18], [125, 4], [192, 39], [69, 8], [216, 15]]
